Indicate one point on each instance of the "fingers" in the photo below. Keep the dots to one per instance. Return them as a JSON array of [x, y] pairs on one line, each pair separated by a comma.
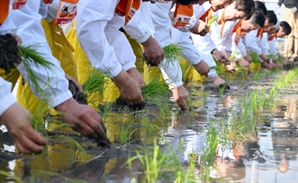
[[27, 146], [182, 103]]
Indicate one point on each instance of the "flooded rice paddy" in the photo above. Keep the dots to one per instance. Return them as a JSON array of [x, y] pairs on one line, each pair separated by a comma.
[[246, 134]]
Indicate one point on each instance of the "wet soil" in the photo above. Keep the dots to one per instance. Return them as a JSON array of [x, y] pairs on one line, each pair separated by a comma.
[[270, 154], [9, 52]]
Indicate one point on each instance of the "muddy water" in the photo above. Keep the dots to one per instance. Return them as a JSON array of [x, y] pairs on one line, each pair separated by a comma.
[[268, 155]]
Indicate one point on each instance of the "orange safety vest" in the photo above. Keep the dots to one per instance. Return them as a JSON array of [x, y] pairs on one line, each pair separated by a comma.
[[237, 29], [182, 15], [272, 36], [260, 33], [207, 16], [3, 10], [127, 8], [222, 22]]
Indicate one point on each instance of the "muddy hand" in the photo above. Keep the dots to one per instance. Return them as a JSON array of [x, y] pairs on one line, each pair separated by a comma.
[[180, 95], [130, 91], [153, 51], [17, 121], [83, 118], [75, 82]]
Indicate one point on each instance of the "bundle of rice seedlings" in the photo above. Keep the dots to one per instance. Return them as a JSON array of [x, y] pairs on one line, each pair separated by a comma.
[[212, 20], [154, 88], [95, 83], [217, 68], [10, 53], [28, 55], [172, 52], [254, 57]]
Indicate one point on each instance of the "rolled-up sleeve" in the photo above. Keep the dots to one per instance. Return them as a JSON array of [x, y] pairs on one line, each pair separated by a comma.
[[92, 18], [52, 82]]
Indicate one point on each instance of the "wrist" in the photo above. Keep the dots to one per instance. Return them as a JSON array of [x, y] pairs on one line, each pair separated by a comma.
[[65, 105], [212, 52]]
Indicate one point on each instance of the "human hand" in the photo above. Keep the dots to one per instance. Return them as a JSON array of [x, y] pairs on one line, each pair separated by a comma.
[[135, 74], [130, 91], [180, 95], [221, 56], [154, 53], [202, 67], [75, 82], [247, 58], [244, 64], [231, 68], [203, 28], [17, 121], [83, 119], [267, 65]]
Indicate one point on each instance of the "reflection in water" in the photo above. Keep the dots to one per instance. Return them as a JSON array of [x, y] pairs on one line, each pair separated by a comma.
[[270, 151]]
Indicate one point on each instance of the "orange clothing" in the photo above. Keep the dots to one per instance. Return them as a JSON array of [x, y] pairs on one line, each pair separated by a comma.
[[127, 8], [182, 15]]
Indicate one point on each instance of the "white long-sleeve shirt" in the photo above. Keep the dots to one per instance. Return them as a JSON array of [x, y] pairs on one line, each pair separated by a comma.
[[6, 97], [98, 32], [252, 42], [52, 81], [272, 47]]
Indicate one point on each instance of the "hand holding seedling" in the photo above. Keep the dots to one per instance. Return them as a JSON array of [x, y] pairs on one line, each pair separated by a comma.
[[180, 95], [221, 56], [248, 58], [154, 53], [17, 121], [84, 119]]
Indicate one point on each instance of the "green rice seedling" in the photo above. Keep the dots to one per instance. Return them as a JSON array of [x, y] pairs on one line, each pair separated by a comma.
[[172, 52], [221, 91], [30, 56], [125, 133], [205, 98], [217, 68], [11, 177], [95, 83], [209, 151], [280, 59], [271, 56], [212, 20], [254, 57], [233, 55], [151, 163], [154, 88]]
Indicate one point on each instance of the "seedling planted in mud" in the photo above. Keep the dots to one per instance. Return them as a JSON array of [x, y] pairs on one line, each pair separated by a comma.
[[154, 88], [125, 133]]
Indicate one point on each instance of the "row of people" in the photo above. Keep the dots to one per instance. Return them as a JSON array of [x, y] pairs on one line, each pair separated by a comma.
[[109, 52]]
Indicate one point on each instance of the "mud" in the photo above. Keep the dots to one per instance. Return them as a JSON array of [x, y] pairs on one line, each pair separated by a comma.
[[269, 155]]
